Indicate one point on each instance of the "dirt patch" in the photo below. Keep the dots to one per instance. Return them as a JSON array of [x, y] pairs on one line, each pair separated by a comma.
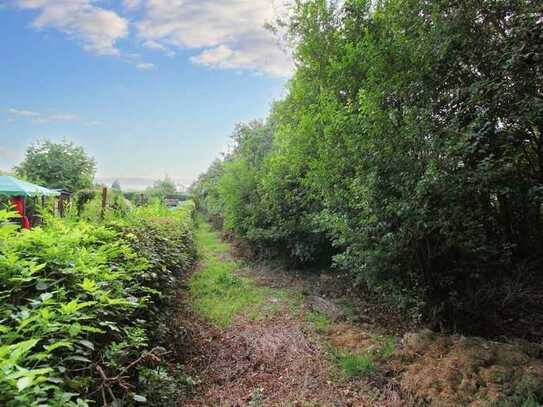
[[272, 362], [324, 306], [351, 302], [460, 371], [347, 337]]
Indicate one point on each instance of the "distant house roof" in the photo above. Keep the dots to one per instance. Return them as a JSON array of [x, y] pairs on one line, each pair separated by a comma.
[[11, 186]]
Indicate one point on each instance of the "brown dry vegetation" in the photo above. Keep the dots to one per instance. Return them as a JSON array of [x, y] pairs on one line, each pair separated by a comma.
[[460, 371], [272, 362]]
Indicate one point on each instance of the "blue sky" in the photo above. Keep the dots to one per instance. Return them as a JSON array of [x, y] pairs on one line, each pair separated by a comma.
[[148, 87]]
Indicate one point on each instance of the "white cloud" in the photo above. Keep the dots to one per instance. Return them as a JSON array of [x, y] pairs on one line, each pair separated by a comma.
[[229, 34], [154, 45], [41, 118], [223, 34], [145, 66], [132, 4], [22, 113], [97, 28]]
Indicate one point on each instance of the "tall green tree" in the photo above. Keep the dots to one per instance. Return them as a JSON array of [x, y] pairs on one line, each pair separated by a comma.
[[411, 141], [58, 165]]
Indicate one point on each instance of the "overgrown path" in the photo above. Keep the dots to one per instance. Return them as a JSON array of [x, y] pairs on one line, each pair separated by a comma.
[[259, 347], [263, 339]]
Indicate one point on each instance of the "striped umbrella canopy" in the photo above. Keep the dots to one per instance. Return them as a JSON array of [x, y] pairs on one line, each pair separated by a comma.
[[11, 186]]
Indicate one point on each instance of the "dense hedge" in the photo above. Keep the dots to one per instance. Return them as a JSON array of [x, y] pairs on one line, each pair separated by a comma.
[[408, 151], [83, 308]]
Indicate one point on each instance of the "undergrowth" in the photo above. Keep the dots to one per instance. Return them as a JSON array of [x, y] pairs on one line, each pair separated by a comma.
[[320, 322], [354, 365], [218, 293], [352, 362], [364, 362]]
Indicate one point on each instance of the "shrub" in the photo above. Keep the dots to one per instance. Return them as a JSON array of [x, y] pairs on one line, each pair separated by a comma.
[[407, 151], [83, 304]]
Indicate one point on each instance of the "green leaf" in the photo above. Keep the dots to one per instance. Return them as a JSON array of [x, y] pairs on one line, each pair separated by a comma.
[[59, 344], [86, 343], [89, 285], [24, 382], [74, 329], [139, 399], [74, 306]]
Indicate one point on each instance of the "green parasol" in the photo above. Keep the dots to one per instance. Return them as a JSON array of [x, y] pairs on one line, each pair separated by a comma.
[[11, 186]]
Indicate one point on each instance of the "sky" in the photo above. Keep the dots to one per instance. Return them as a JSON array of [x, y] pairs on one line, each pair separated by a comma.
[[148, 87]]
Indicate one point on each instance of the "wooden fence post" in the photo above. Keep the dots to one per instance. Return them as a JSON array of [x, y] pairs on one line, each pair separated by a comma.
[[61, 205], [104, 200]]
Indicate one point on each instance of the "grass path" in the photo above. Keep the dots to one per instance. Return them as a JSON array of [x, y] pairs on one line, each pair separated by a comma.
[[219, 294], [260, 346], [257, 341]]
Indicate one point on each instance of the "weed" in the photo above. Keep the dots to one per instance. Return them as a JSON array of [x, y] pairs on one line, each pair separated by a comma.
[[518, 400], [357, 364], [386, 346], [256, 398], [218, 294], [207, 240], [320, 322], [349, 309], [530, 402]]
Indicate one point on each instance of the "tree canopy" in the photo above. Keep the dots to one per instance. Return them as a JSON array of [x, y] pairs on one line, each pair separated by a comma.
[[58, 165], [408, 151], [162, 188]]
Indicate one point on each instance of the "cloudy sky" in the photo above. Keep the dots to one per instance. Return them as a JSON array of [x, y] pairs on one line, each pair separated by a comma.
[[148, 87]]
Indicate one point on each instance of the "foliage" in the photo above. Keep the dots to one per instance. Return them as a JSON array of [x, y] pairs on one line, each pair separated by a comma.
[[357, 364], [408, 151], [162, 188], [82, 305], [319, 322], [89, 205], [364, 362], [163, 389], [57, 165]]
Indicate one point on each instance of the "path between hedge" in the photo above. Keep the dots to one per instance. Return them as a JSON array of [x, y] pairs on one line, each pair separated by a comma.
[[261, 343], [261, 337]]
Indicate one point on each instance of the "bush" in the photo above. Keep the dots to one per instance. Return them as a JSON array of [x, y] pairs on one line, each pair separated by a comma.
[[82, 304], [407, 151]]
